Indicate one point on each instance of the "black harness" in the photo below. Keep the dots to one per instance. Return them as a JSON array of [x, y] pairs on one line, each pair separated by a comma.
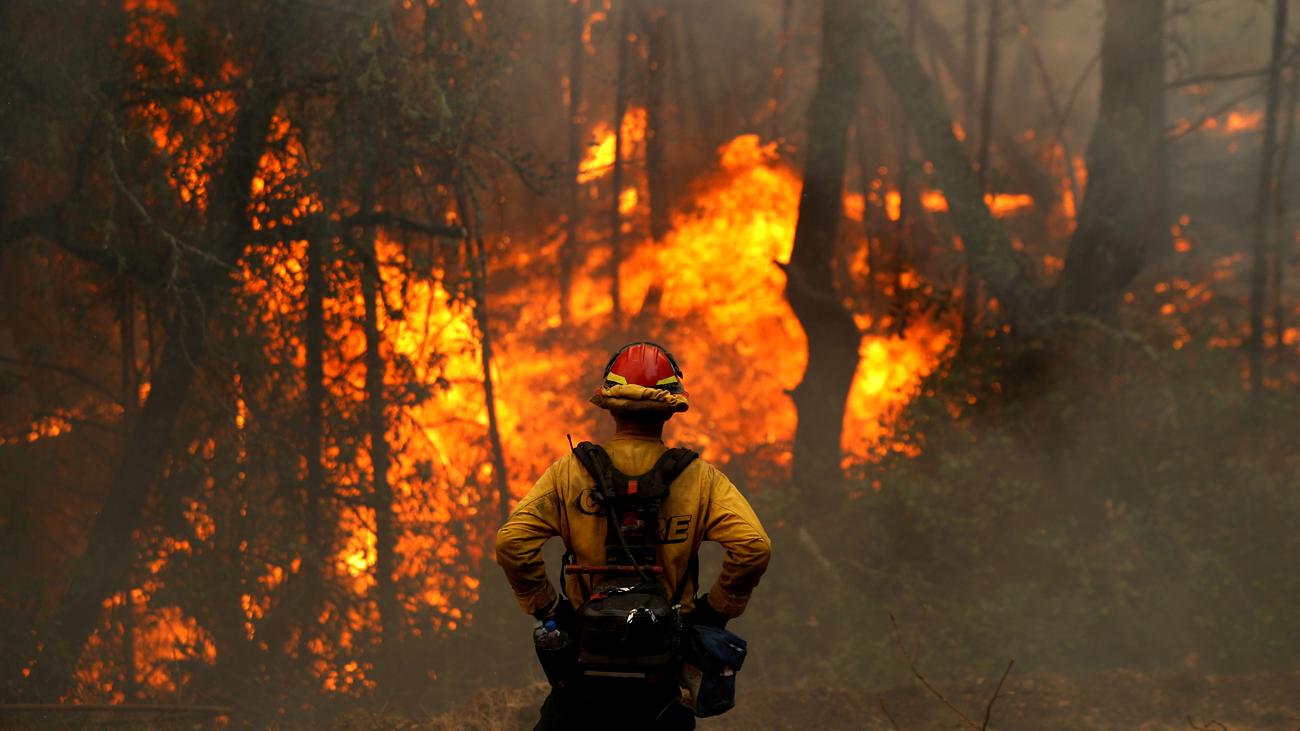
[[630, 627], [631, 503]]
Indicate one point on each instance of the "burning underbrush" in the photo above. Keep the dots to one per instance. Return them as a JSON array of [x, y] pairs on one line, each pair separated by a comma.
[[712, 290]]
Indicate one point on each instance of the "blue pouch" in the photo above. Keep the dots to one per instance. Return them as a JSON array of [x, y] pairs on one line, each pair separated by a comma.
[[711, 656]]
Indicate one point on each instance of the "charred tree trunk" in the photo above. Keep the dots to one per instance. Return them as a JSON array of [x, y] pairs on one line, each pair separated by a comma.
[[616, 214], [902, 229], [970, 287], [129, 658], [832, 335], [314, 490], [970, 69], [377, 429], [303, 594], [130, 413], [657, 28], [656, 124], [1267, 180], [988, 250], [1280, 205], [869, 230], [390, 613], [781, 69], [989, 97], [476, 257], [104, 566], [691, 73], [569, 251], [129, 373], [1124, 216]]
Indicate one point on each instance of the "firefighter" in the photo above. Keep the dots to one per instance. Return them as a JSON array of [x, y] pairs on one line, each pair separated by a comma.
[[642, 388]]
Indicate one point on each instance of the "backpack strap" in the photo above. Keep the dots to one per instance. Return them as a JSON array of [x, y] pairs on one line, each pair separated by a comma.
[[669, 467], [596, 461], [657, 482], [598, 464], [614, 486]]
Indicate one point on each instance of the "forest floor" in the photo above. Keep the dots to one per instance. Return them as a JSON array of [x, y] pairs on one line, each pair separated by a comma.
[[1043, 702]]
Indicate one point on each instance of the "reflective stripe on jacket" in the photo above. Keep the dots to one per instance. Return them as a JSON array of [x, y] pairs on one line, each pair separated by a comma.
[[702, 505]]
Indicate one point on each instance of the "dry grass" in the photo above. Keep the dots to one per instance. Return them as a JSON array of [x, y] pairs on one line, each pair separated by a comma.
[[491, 709], [1110, 700]]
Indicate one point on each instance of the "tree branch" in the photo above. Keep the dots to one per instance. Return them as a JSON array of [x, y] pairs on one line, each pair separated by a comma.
[[988, 710], [405, 224], [898, 639], [69, 372], [49, 224]]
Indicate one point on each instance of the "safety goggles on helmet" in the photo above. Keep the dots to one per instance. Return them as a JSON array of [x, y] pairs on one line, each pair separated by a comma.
[[645, 364]]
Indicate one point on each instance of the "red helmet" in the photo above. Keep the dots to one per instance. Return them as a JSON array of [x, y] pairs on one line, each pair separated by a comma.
[[645, 364]]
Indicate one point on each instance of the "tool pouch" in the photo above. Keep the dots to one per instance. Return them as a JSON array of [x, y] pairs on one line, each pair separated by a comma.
[[711, 656], [629, 633]]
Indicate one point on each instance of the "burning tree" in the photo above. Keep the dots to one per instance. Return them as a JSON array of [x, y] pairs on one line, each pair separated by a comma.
[[305, 296]]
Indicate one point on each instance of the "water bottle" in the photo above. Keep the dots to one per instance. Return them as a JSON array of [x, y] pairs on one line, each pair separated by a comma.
[[547, 636], [557, 652]]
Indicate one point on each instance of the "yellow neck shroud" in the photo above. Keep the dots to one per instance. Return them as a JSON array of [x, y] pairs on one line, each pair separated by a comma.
[[632, 397]]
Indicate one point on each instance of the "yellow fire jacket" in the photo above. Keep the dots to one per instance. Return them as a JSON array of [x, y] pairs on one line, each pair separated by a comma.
[[703, 505]]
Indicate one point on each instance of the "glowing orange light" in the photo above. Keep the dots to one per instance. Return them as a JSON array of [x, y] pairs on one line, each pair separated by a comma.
[[600, 158]]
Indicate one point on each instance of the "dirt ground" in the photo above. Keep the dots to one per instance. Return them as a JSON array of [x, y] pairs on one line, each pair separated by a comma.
[[1041, 702]]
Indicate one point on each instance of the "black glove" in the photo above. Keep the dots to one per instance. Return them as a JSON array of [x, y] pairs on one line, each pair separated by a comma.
[[561, 612], [705, 614]]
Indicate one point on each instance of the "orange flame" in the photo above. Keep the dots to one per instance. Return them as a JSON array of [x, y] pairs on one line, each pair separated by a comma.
[[714, 287], [600, 157], [1001, 205]]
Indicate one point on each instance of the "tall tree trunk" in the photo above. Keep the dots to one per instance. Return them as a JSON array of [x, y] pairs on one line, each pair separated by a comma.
[[313, 496], [969, 73], [902, 228], [658, 27], [989, 97], [656, 136], [616, 215], [1259, 248], [868, 229], [476, 256], [129, 657], [390, 612], [377, 428], [781, 69], [569, 251], [988, 251], [1280, 205], [833, 336], [970, 287], [130, 413], [691, 73], [129, 372], [303, 592], [1124, 216], [104, 565]]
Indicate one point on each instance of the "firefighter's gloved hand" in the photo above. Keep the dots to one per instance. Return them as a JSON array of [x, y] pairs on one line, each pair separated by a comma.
[[561, 612], [705, 614]]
